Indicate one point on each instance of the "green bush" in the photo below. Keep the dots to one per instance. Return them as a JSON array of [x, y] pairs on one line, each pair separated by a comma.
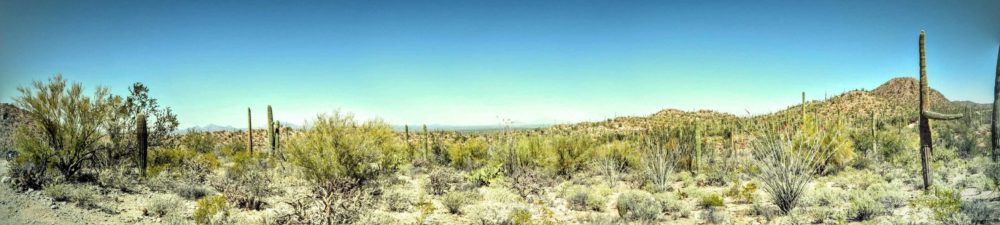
[[584, 198], [455, 200], [487, 175], [469, 154], [208, 209], [66, 125], [441, 180], [247, 181], [671, 204], [942, 201], [638, 205], [572, 154], [162, 206], [81, 195], [829, 140], [864, 207], [335, 152], [711, 200]]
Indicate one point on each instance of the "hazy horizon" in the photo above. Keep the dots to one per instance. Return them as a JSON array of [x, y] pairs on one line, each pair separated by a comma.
[[476, 63]]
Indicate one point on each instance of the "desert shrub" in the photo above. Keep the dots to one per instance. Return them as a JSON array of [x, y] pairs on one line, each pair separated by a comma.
[[584, 198], [455, 200], [714, 215], [182, 164], [441, 180], [980, 182], [120, 126], [981, 212], [829, 140], [863, 207], [161, 206], [191, 191], [572, 154], [202, 142], [670, 204], [614, 159], [711, 200], [66, 125], [942, 201], [26, 174], [763, 208], [896, 146], [492, 213], [638, 205], [744, 193], [209, 210], [120, 177], [335, 149], [377, 217], [247, 182], [469, 154], [81, 195], [890, 195], [487, 175], [399, 199], [520, 216]]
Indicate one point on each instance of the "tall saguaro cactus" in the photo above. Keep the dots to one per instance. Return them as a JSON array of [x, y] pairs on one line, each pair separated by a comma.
[[406, 139], [270, 131], [926, 144], [142, 136], [874, 132], [996, 113], [427, 142], [697, 147], [249, 132]]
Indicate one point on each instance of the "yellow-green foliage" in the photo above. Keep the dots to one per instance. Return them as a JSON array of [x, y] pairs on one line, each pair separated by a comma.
[[336, 148], [830, 139], [711, 200], [622, 152], [469, 154], [208, 207], [572, 153], [179, 159], [742, 192], [942, 201]]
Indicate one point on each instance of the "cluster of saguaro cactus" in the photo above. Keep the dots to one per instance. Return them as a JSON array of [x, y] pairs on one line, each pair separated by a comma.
[[926, 144], [249, 132], [141, 136]]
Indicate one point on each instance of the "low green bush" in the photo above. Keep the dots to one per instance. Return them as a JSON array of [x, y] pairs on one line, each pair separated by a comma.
[[209, 209], [638, 205], [584, 198], [162, 206], [455, 200], [711, 200]]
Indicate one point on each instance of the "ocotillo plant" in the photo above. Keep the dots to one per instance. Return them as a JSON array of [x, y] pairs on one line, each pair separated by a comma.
[[141, 136], [926, 144], [996, 112], [249, 132], [270, 130]]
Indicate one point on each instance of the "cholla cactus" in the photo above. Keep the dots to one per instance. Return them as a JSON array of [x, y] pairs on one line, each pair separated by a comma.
[[926, 144]]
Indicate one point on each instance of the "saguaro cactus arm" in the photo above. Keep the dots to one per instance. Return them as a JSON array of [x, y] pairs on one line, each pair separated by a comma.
[[940, 116]]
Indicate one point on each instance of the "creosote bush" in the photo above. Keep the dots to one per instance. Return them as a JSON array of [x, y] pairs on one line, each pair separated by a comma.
[[638, 205]]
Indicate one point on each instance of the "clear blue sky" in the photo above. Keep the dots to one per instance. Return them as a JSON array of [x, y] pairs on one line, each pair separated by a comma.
[[472, 62]]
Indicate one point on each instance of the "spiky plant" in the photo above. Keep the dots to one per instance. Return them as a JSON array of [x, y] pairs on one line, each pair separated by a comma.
[[926, 144]]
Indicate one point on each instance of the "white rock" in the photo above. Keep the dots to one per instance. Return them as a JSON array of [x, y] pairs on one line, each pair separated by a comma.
[[4, 180], [54, 206]]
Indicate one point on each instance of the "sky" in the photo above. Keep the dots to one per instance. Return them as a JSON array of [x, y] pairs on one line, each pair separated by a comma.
[[480, 62]]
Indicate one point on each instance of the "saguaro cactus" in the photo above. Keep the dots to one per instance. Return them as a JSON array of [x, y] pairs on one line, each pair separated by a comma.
[[249, 132], [406, 139], [270, 131], [996, 112], [874, 132], [697, 147], [141, 136], [803, 107], [926, 144], [427, 142]]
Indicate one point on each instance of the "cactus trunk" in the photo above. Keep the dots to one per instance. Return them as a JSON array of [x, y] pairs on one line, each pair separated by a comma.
[[270, 131], [427, 142], [926, 144], [249, 132], [874, 133], [697, 147], [996, 113], [141, 137]]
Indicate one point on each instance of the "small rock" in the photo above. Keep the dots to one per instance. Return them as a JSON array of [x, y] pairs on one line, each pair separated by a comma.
[[54, 206], [4, 180]]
